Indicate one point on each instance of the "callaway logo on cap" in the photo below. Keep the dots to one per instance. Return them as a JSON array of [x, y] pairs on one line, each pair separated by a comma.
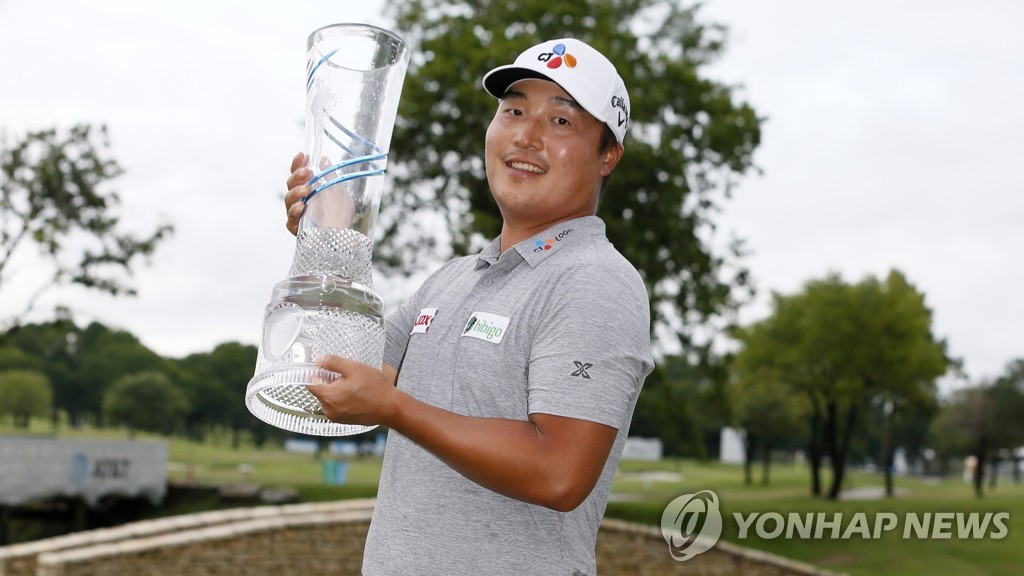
[[580, 70]]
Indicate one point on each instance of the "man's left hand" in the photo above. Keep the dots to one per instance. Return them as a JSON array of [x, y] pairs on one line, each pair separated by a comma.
[[362, 394]]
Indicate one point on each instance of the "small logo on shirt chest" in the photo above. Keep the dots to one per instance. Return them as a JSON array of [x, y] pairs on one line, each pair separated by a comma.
[[423, 321], [485, 326]]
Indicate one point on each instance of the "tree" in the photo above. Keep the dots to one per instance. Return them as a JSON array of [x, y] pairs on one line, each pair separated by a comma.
[[965, 426], [840, 346], [102, 355], [773, 348], [14, 358], [689, 141], [146, 401], [984, 421], [51, 347], [909, 358], [1008, 402], [24, 394], [215, 383], [81, 363], [681, 406], [906, 426], [53, 195], [766, 412]]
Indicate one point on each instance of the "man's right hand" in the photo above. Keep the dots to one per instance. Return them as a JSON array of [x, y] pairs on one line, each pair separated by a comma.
[[297, 190]]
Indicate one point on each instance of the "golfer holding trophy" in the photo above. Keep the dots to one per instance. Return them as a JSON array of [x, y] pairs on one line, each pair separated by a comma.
[[509, 378]]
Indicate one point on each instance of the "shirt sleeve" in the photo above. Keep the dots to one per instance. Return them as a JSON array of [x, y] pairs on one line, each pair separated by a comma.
[[592, 351], [397, 326]]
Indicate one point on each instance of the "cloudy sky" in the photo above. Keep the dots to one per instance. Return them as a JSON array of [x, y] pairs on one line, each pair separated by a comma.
[[891, 138]]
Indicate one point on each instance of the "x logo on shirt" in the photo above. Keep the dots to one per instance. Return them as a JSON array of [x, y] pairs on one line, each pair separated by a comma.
[[581, 369]]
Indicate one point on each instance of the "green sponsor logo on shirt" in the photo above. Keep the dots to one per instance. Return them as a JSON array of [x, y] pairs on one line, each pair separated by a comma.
[[486, 326]]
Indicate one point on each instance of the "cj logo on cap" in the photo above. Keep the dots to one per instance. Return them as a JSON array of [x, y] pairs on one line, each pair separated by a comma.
[[557, 56]]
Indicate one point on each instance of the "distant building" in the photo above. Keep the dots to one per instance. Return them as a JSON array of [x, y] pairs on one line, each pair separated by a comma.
[[731, 449], [38, 469], [641, 449]]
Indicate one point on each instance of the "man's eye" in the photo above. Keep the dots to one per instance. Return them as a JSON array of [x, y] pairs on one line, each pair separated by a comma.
[[561, 121]]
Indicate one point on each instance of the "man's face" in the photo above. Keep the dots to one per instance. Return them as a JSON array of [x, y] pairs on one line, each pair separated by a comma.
[[543, 162]]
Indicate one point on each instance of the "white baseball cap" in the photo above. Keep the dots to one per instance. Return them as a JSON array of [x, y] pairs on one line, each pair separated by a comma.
[[584, 73]]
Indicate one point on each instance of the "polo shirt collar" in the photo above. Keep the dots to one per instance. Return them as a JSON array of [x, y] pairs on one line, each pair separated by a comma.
[[489, 255], [539, 247]]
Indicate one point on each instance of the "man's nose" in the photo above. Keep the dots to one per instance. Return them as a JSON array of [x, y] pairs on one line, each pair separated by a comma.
[[528, 134]]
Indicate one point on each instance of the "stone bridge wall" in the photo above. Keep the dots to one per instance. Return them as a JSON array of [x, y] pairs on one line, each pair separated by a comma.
[[324, 538]]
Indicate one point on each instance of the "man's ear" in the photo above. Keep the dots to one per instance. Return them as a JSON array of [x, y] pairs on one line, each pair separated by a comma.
[[609, 158]]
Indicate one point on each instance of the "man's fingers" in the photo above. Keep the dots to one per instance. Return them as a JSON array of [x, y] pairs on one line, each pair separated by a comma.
[[338, 364], [299, 177], [294, 198], [321, 379], [293, 195], [294, 212], [316, 389], [297, 185]]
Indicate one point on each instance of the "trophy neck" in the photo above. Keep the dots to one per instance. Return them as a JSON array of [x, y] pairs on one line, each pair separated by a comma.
[[329, 251]]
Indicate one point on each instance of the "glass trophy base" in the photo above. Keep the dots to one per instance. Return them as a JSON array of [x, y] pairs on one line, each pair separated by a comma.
[[279, 397], [310, 316]]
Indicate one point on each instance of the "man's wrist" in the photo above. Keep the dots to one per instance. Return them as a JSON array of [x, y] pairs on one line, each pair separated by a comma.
[[394, 407]]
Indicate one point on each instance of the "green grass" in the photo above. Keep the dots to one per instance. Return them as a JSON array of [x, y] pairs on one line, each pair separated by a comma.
[[216, 462], [270, 466]]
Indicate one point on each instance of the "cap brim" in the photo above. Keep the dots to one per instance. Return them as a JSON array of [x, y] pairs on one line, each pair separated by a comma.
[[497, 81]]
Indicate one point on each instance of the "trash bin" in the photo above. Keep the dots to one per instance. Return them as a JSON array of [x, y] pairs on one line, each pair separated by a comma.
[[334, 472]]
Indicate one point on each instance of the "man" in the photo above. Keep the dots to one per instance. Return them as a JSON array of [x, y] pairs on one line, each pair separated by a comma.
[[517, 368]]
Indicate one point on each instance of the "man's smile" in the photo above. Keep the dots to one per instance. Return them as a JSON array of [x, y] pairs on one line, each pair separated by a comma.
[[517, 162], [527, 167]]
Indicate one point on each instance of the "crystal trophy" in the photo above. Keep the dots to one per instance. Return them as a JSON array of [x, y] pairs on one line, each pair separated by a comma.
[[327, 304]]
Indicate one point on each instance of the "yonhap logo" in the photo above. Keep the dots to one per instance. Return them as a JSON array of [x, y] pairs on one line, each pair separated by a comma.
[[691, 524]]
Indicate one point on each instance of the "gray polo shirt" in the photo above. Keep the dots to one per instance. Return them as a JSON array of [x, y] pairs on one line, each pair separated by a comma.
[[558, 324]]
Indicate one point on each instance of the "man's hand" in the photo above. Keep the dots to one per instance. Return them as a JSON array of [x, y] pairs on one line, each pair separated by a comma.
[[297, 190], [338, 212], [361, 395]]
